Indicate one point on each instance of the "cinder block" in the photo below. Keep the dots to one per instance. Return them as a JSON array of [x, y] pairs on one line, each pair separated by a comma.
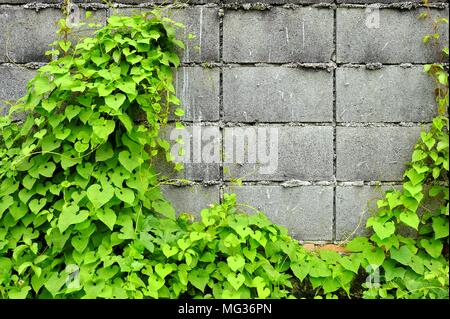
[[13, 84], [202, 22], [198, 90], [277, 94], [307, 211], [385, 35], [191, 199], [26, 34], [390, 94], [279, 153], [374, 153], [202, 153], [278, 35]]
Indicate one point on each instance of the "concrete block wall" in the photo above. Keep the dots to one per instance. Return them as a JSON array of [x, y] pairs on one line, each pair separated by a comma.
[[340, 80]]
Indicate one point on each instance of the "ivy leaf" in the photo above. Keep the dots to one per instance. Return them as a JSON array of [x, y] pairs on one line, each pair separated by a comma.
[[115, 101], [42, 85], [99, 195], [36, 205], [85, 170], [5, 203], [410, 218], [403, 254], [440, 227], [128, 87], [107, 216], [18, 210], [70, 215], [125, 194], [375, 257], [300, 271], [128, 162], [104, 152], [163, 270], [80, 243], [198, 278], [236, 280], [383, 230], [103, 128], [432, 246], [72, 111], [236, 262], [164, 208], [47, 169], [358, 244], [169, 251]]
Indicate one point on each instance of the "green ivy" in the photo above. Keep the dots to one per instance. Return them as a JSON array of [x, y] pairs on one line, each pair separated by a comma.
[[76, 175]]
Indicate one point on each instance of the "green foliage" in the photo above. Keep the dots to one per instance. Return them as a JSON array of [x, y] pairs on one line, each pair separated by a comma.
[[76, 181]]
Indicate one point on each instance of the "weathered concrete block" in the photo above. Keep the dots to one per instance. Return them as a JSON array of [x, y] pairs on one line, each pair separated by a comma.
[[191, 199], [390, 94], [13, 84], [278, 153], [385, 35], [306, 211], [278, 35], [374, 153], [203, 22], [354, 205], [277, 94], [202, 153], [26, 34], [198, 90]]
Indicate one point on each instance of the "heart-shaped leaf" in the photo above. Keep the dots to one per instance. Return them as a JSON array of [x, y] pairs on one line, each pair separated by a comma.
[[70, 215], [236, 280], [47, 169], [36, 205], [99, 195], [115, 101], [410, 218], [18, 210], [85, 170], [384, 230], [80, 147], [432, 246], [28, 182], [107, 216], [154, 282], [80, 243], [163, 270], [128, 162], [125, 194], [199, 278], [5, 203], [236, 262], [25, 195], [249, 253], [72, 111], [169, 251], [103, 128]]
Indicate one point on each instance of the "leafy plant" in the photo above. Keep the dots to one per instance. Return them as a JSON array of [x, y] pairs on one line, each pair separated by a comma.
[[76, 175]]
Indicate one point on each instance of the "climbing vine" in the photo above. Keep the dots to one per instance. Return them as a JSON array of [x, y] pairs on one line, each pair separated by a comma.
[[82, 215]]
